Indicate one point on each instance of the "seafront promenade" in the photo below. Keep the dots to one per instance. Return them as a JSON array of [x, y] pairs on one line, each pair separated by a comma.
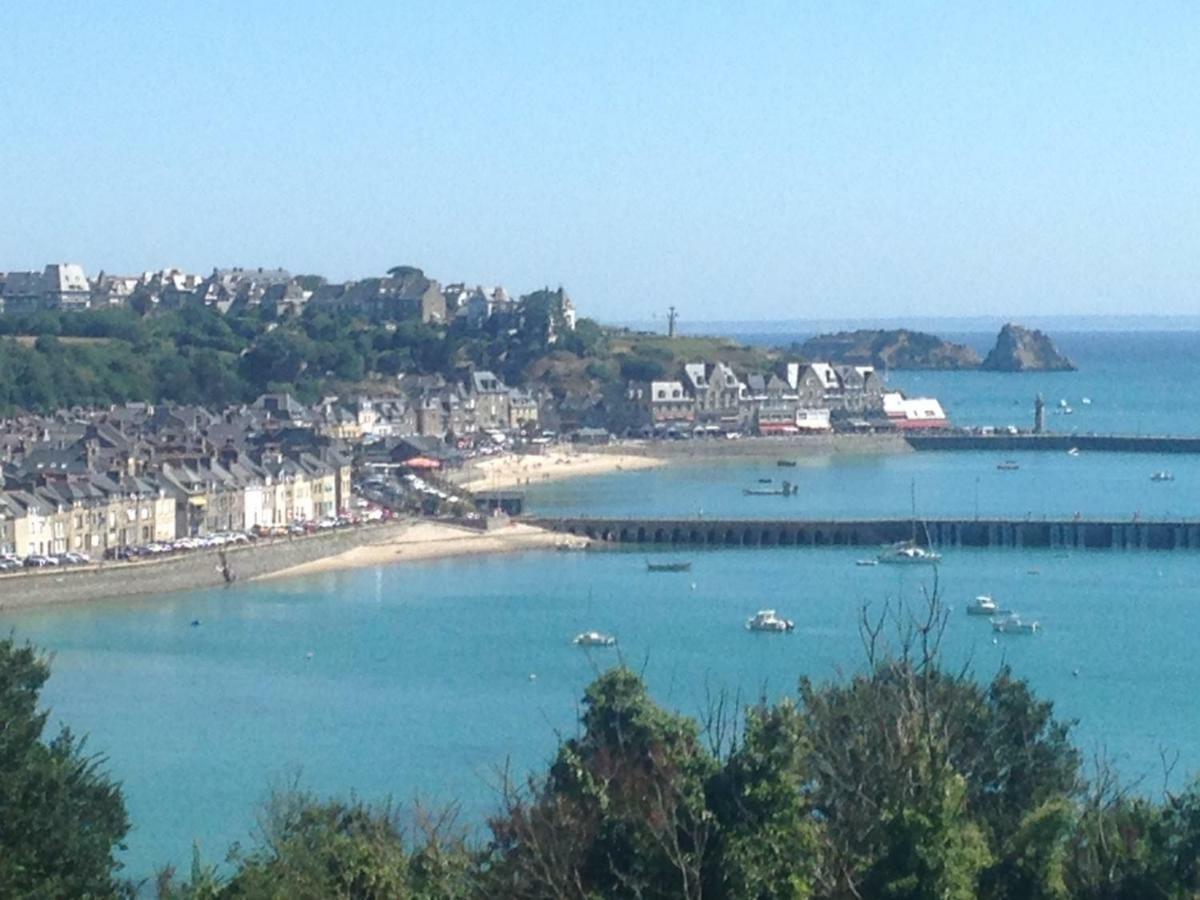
[[184, 571], [1055, 534]]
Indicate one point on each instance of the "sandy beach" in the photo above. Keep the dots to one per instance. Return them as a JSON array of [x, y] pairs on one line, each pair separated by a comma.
[[435, 540], [510, 471]]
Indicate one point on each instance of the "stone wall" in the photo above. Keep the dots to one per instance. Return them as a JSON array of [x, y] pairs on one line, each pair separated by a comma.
[[186, 571]]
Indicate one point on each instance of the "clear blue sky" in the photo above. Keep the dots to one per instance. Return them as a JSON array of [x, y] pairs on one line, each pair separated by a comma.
[[742, 160]]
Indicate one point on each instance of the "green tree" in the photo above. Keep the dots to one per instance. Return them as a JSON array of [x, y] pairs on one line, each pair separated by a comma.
[[62, 819], [622, 813], [312, 849]]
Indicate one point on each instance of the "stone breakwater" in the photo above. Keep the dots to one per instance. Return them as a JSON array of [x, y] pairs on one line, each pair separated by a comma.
[[1055, 534], [186, 571]]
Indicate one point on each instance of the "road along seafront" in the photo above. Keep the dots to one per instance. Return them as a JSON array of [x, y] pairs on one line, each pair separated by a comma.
[[351, 548], [184, 571]]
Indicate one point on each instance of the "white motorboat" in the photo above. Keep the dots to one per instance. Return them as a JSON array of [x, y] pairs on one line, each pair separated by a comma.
[[594, 639], [1162, 476], [1014, 624], [766, 620], [866, 562], [983, 605], [1074, 451], [909, 553], [1086, 401]]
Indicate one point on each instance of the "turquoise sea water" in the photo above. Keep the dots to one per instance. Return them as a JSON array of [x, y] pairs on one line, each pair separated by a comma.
[[419, 678], [847, 486]]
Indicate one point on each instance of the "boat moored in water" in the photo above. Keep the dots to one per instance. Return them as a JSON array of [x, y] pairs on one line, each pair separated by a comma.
[[1014, 624], [983, 605], [594, 639], [785, 489], [766, 620], [668, 566], [1162, 476], [786, 463], [909, 553], [1009, 465]]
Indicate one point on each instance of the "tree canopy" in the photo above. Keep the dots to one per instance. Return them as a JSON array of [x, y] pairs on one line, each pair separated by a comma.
[[62, 819]]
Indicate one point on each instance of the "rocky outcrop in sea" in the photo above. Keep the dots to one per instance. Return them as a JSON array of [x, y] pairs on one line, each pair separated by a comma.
[[1020, 349], [890, 349]]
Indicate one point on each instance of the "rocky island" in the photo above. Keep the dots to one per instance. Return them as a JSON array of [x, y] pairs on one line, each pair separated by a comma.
[[890, 349], [1020, 349]]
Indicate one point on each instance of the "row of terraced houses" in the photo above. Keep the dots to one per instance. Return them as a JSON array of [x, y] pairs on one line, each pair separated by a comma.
[[799, 398]]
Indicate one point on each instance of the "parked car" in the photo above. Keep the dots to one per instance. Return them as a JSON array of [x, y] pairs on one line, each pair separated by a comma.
[[75, 559], [37, 561]]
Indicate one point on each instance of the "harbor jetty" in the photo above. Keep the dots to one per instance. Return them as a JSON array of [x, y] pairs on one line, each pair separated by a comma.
[[1085, 443], [1055, 534]]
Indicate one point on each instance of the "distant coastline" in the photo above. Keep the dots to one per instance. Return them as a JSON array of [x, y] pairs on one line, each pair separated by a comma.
[[948, 324]]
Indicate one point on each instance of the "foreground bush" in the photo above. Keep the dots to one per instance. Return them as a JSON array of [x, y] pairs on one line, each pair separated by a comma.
[[62, 819]]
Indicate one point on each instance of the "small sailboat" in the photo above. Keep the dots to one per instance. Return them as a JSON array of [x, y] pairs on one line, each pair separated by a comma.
[[909, 553]]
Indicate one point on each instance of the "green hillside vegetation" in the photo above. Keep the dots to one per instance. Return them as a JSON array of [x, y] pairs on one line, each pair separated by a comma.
[[197, 355]]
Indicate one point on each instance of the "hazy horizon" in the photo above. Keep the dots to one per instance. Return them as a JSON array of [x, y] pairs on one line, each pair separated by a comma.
[[771, 162]]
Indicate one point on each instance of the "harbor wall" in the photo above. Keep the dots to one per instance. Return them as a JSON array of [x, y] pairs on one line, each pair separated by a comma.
[[1091, 443], [185, 571], [1026, 533]]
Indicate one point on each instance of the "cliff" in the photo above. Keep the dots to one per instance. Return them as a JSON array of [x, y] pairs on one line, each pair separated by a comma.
[[1020, 349], [896, 349]]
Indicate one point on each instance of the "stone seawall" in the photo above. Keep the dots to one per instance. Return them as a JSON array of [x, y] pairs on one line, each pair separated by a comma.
[[1089, 443], [187, 571]]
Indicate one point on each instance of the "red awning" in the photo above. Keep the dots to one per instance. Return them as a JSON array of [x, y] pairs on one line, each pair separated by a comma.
[[422, 462]]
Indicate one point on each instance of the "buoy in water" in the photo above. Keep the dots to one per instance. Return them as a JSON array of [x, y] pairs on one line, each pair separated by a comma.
[[532, 676], [195, 623]]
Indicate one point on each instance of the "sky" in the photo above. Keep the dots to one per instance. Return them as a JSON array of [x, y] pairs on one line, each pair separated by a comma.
[[740, 160]]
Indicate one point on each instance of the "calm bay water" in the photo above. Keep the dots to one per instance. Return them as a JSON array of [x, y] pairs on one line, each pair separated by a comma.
[[419, 678]]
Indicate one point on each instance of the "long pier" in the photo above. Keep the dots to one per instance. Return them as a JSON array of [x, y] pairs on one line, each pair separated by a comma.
[[1091, 443], [1047, 533]]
